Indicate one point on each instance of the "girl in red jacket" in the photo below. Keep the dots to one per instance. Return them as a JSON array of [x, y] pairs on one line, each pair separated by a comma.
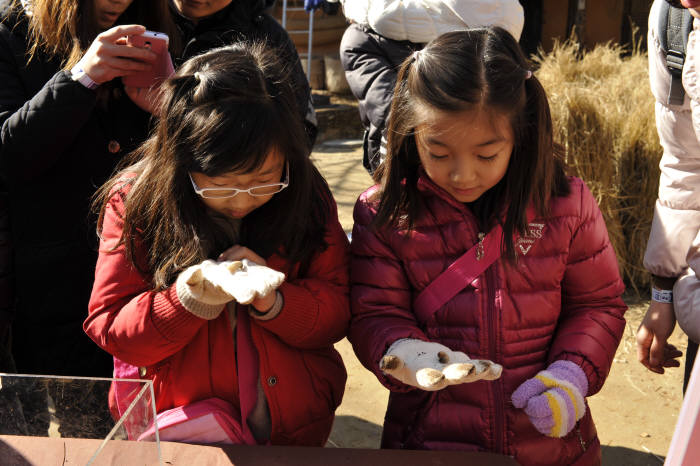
[[531, 318], [222, 271]]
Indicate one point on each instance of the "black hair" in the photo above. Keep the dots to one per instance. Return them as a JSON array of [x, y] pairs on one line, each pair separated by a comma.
[[482, 68]]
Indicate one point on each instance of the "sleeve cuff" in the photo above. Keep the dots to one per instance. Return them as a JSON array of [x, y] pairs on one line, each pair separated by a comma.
[[663, 283], [272, 312], [196, 307]]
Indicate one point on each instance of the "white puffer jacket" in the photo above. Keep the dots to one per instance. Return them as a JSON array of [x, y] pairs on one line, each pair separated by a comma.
[[673, 249], [421, 21]]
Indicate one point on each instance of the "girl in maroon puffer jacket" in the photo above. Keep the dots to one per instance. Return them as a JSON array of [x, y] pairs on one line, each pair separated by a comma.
[[501, 352]]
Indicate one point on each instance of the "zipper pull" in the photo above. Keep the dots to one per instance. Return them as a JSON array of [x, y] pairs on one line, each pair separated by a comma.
[[480, 247]]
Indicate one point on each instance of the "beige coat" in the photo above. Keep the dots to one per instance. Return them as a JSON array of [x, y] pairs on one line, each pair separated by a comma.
[[673, 249]]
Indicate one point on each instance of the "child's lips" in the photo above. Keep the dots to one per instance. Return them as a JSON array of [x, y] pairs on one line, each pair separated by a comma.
[[690, 3], [237, 213], [464, 191]]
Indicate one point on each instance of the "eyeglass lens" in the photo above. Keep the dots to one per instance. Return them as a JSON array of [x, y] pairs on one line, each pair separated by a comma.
[[254, 191]]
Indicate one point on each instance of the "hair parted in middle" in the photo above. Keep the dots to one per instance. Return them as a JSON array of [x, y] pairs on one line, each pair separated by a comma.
[[476, 69], [223, 111]]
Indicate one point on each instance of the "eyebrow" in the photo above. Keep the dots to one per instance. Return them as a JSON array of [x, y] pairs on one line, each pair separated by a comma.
[[437, 142]]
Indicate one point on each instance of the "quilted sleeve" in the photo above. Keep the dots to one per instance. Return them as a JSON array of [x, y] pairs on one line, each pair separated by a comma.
[[37, 129], [591, 322], [380, 296]]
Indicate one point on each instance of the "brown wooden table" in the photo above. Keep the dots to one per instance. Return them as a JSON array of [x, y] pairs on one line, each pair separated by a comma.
[[45, 451]]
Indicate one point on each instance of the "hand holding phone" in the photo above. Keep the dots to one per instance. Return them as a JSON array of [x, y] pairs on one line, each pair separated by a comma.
[[156, 42], [109, 57]]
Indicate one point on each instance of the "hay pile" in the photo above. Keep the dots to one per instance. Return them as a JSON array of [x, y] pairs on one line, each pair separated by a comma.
[[603, 113]]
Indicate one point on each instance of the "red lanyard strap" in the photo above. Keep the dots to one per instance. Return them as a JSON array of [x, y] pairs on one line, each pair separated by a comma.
[[459, 274]]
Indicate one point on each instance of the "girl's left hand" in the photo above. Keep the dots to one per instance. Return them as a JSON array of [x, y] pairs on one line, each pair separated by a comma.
[[146, 98]]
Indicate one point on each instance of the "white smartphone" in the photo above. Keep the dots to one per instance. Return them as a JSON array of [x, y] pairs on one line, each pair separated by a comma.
[[157, 42]]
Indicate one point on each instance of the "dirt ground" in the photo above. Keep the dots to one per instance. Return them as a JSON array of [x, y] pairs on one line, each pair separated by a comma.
[[635, 412]]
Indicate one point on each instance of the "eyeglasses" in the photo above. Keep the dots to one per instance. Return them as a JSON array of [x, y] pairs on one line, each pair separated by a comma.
[[262, 190]]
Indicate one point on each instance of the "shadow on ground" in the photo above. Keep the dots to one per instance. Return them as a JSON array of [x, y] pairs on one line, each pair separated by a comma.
[[613, 456], [354, 432]]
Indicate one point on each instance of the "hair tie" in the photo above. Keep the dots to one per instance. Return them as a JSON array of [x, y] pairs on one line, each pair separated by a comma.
[[197, 76], [528, 74], [416, 54]]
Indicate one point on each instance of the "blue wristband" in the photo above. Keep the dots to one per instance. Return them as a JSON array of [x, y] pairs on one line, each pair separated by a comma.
[[662, 296]]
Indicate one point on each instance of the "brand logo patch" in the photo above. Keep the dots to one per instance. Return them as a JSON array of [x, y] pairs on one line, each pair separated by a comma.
[[534, 232]]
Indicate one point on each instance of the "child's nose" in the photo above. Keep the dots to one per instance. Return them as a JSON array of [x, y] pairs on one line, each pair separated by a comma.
[[462, 173], [241, 201]]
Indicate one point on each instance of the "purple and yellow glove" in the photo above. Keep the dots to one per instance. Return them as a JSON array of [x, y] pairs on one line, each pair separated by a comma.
[[554, 398]]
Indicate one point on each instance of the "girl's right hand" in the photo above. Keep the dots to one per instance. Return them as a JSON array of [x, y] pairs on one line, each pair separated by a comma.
[[109, 56], [431, 366]]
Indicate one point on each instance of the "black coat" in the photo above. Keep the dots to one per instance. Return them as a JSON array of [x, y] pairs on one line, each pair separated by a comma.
[[59, 143], [247, 20], [371, 63]]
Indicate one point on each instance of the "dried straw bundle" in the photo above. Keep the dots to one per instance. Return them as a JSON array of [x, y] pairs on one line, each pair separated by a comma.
[[603, 114]]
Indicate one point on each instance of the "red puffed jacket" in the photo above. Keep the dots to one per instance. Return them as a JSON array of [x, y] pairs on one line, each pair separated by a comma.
[[190, 358], [560, 301]]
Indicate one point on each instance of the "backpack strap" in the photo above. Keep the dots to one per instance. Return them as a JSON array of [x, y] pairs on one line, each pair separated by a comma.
[[459, 274], [674, 27]]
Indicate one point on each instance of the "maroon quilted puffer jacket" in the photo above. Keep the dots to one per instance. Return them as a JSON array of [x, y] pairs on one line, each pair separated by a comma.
[[561, 301]]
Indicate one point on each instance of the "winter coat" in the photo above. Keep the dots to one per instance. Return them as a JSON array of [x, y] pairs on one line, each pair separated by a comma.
[[673, 249], [423, 20], [7, 291], [560, 301], [247, 20], [58, 144], [371, 63], [190, 358]]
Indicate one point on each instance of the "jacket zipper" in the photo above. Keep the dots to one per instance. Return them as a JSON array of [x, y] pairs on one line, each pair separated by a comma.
[[498, 393], [580, 437]]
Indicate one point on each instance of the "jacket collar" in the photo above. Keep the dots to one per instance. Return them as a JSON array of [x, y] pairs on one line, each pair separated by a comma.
[[427, 186], [237, 12]]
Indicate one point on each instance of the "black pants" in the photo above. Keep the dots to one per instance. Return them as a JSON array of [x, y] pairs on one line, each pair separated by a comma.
[[690, 354]]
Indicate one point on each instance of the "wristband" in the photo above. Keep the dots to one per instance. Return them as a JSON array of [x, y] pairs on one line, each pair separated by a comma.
[[662, 296], [78, 74], [270, 313]]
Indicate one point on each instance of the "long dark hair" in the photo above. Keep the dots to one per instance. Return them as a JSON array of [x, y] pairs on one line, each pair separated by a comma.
[[224, 110], [64, 29], [467, 70]]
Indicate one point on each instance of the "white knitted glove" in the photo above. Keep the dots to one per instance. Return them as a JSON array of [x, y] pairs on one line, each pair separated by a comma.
[[204, 288], [432, 366], [249, 280], [199, 291]]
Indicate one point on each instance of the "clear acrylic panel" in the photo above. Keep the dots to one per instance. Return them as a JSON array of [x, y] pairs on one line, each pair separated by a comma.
[[36, 412]]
